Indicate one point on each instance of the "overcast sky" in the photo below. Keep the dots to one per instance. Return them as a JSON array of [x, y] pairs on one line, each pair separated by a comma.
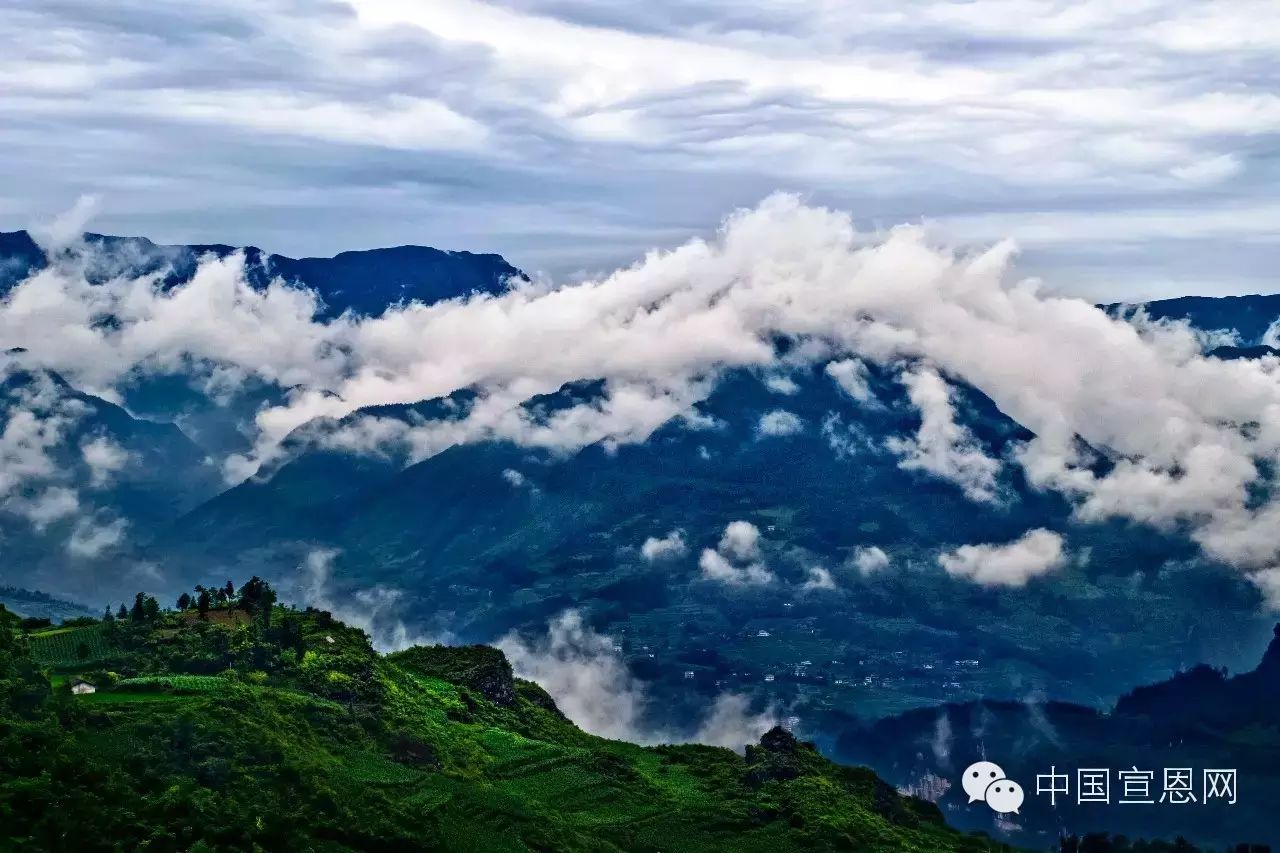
[[1130, 148]]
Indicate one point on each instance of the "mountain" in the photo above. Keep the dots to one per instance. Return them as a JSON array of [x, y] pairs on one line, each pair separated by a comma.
[[365, 282], [1248, 316], [488, 537], [252, 726], [35, 604], [81, 472], [1200, 718]]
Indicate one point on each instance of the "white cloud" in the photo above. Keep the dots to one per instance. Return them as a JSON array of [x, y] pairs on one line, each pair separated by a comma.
[[90, 538], [852, 377], [716, 567], [105, 459], [1036, 553], [514, 477], [591, 684], [1268, 583], [819, 579], [541, 115], [870, 559], [941, 446], [377, 610], [780, 384], [1188, 435], [53, 504], [737, 560], [732, 724], [779, 423], [669, 547]]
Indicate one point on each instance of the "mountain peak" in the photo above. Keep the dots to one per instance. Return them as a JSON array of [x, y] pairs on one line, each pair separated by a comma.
[[364, 281]]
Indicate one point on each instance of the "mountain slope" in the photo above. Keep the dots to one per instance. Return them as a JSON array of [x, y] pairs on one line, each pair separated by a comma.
[[486, 537], [1249, 316], [308, 740]]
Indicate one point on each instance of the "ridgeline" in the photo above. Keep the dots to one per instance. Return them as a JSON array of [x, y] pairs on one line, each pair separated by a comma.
[[235, 723]]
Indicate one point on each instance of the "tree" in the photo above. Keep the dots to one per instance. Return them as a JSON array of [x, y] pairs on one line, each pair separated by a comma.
[[229, 590], [256, 598], [203, 602], [138, 612], [184, 601], [123, 613], [83, 651], [150, 609], [108, 616]]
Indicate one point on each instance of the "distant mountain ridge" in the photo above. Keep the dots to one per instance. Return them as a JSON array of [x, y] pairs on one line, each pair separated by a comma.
[[362, 281], [1249, 316]]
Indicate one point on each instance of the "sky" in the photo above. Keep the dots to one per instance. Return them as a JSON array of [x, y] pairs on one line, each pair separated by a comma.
[[1128, 149]]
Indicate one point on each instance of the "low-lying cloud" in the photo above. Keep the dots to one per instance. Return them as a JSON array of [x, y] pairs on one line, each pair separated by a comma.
[[377, 610], [1190, 442], [736, 560], [1038, 552], [586, 675]]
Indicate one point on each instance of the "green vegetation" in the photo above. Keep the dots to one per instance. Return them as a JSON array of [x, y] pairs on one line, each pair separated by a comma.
[[287, 731], [70, 647]]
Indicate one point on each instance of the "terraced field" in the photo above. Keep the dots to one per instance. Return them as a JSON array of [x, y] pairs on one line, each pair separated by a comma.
[[61, 647]]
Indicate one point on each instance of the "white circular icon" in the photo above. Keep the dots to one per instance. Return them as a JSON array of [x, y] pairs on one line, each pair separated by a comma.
[[1004, 796], [978, 776]]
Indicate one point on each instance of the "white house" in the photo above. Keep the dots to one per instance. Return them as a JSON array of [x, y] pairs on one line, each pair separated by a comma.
[[79, 687]]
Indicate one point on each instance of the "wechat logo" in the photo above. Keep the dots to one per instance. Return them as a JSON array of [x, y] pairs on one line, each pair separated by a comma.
[[985, 782]]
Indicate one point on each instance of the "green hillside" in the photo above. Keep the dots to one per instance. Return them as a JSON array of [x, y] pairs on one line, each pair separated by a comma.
[[291, 733]]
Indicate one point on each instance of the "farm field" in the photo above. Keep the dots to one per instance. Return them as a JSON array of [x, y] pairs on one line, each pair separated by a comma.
[[63, 647]]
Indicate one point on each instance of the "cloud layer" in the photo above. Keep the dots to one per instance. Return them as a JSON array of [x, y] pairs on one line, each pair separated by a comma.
[[1131, 420], [591, 684], [1037, 553]]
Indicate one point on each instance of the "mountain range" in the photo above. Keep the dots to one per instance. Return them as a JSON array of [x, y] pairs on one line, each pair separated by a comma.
[[775, 546]]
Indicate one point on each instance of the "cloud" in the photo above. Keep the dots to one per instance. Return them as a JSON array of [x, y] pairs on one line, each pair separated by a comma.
[[780, 384], [105, 459], [53, 504], [941, 446], [737, 559], [1038, 552], [669, 547], [546, 129], [852, 377], [819, 579], [732, 724], [779, 423], [591, 684], [90, 538], [514, 477], [378, 610], [869, 560], [1268, 583], [37, 422], [1188, 440], [741, 541]]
